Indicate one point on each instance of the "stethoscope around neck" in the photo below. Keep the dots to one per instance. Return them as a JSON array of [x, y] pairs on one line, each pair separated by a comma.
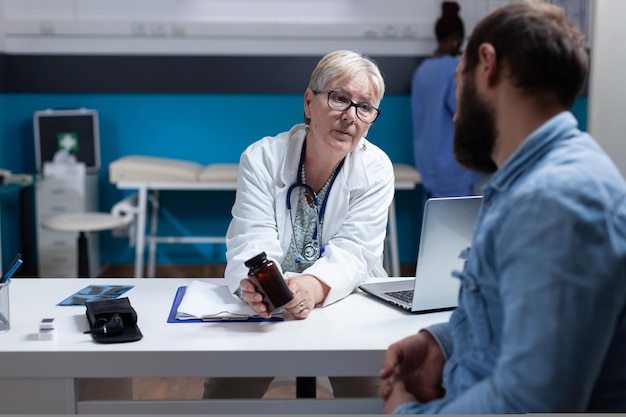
[[313, 250]]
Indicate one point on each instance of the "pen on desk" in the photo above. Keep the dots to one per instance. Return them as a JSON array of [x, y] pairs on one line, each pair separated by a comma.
[[17, 261]]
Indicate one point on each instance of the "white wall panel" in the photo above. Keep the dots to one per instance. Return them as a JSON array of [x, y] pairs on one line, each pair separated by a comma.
[[36, 9], [164, 46], [607, 90], [399, 27]]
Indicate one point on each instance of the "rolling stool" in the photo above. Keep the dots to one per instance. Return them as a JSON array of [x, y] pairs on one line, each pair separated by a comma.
[[83, 223]]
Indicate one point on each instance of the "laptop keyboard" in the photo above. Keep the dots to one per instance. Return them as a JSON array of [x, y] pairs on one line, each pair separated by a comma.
[[404, 295]]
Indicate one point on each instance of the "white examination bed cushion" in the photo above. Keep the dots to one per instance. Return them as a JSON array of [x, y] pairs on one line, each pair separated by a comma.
[[219, 173], [153, 169]]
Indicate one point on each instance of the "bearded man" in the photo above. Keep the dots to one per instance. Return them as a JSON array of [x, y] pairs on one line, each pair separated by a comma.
[[541, 320]]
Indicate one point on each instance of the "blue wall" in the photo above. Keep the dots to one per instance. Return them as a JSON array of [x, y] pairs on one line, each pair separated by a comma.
[[206, 128]]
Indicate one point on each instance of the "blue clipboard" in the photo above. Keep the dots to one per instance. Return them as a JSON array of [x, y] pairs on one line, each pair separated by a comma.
[[180, 292]]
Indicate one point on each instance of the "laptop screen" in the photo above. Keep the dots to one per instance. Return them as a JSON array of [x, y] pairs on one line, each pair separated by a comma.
[[447, 230]]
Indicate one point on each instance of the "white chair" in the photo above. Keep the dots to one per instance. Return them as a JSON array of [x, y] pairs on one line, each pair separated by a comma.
[[121, 215]]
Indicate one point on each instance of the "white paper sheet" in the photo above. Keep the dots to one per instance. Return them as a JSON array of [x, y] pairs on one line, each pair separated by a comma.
[[206, 299]]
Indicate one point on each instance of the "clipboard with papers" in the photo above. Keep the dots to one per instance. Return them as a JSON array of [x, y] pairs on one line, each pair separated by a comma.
[[206, 302]]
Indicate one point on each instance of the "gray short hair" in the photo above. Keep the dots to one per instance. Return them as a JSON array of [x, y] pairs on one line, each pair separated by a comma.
[[345, 65]]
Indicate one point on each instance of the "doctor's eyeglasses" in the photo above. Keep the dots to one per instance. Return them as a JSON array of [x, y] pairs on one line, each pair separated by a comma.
[[340, 102]]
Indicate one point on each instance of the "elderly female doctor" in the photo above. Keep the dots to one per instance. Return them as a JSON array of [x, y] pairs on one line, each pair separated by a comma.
[[315, 199]]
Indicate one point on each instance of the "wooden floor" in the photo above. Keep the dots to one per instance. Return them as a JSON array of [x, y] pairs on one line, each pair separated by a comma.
[[192, 388], [167, 271], [196, 271], [167, 388]]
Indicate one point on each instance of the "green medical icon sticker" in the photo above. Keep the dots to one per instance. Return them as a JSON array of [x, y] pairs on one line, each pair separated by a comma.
[[68, 141]]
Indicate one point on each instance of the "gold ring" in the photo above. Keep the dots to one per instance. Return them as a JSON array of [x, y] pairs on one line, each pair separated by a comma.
[[301, 306]]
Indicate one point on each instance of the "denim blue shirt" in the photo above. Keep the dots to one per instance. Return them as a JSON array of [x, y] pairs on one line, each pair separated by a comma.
[[541, 321]]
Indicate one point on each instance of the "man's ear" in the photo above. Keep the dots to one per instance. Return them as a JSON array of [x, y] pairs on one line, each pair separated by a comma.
[[489, 64]]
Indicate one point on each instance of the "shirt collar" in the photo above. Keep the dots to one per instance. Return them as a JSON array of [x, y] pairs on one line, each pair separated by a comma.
[[354, 161], [292, 155], [533, 148]]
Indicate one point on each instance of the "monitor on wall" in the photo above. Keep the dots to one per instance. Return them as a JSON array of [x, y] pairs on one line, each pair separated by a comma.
[[73, 130]]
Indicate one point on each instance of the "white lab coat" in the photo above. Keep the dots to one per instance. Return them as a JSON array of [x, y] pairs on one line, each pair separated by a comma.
[[354, 224]]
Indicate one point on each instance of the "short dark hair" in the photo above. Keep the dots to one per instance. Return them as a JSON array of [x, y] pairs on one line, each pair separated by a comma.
[[449, 23], [545, 52]]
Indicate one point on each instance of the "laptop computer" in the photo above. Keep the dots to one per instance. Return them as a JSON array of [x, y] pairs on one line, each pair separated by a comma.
[[447, 229]]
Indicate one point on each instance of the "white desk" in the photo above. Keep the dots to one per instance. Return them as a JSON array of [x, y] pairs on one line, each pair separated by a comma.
[[348, 338], [406, 179]]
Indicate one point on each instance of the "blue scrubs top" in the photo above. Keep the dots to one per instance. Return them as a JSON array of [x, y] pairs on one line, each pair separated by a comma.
[[433, 104]]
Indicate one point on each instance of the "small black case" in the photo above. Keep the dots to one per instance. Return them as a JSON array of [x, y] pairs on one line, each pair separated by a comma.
[[101, 313]]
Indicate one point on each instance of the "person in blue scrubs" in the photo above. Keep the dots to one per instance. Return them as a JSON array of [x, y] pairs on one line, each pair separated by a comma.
[[540, 325], [433, 104]]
